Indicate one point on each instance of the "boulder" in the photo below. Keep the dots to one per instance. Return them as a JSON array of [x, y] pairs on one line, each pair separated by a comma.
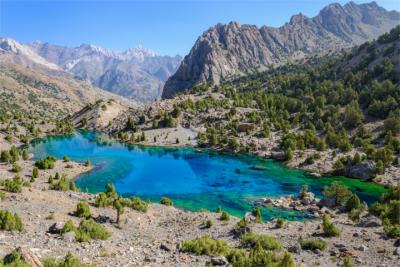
[[219, 261], [165, 247], [245, 127], [56, 228], [363, 170], [369, 221], [397, 251], [278, 155]]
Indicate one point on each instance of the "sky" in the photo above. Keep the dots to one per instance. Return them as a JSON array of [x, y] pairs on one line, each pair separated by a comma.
[[167, 27]]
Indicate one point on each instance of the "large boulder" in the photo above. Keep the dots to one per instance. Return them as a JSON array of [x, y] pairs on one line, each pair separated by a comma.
[[245, 127], [369, 221], [278, 155], [363, 170]]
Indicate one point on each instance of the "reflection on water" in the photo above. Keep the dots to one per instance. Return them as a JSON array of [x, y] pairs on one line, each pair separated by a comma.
[[194, 179]]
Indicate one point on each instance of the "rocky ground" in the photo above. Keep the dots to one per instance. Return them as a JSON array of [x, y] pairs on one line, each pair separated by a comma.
[[153, 238]]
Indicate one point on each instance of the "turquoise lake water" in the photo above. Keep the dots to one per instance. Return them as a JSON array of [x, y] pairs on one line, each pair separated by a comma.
[[193, 179]]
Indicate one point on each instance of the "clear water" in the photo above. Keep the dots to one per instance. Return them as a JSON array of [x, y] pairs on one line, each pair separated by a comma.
[[193, 179]]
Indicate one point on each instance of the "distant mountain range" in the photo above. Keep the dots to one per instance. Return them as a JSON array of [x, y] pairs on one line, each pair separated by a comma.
[[137, 73], [226, 51]]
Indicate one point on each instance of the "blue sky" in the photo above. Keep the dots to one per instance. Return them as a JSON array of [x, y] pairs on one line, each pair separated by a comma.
[[167, 27]]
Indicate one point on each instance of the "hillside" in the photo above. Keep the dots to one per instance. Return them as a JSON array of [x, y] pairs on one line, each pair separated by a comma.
[[316, 114], [228, 51], [23, 90]]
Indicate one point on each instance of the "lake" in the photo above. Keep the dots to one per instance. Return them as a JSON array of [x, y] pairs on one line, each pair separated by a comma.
[[194, 179]]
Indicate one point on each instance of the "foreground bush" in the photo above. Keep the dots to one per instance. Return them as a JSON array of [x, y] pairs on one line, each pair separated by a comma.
[[61, 185], [87, 230], [166, 201], [388, 209], [205, 246], [328, 227], [238, 257], [312, 244], [68, 261], [10, 222], [83, 210], [13, 185], [265, 241], [46, 163], [259, 257], [224, 216], [13, 260], [138, 204]]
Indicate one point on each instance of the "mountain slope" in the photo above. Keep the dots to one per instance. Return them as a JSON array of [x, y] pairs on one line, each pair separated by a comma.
[[137, 73], [227, 51], [33, 92]]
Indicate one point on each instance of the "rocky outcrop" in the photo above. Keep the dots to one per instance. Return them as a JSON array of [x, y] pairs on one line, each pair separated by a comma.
[[227, 51], [363, 170]]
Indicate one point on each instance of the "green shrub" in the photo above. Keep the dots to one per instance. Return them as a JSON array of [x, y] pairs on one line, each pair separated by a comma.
[[303, 191], [392, 230], [13, 185], [328, 227], [166, 201], [312, 244], [138, 204], [280, 223], [347, 262], [87, 163], [14, 260], [83, 210], [354, 214], [337, 193], [257, 214], [89, 229], [224, 216], [35, 172], [5, 156], [16, 168], [2, 195], [10, 222], [259, 257], [46, 163], [251, 240], [73, 187], [353, 203], [25, 155], [62, 184], [68, 227], [207, 224], [310, 160], [65, 159], [102, 200], [68, 261], [205, 246]]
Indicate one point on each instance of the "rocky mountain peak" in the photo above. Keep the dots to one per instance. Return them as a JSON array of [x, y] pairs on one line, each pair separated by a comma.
[[230, 50]]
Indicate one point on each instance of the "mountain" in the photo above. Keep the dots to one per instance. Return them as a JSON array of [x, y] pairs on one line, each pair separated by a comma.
[[30, 84], [227, 51], [137, 73]]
